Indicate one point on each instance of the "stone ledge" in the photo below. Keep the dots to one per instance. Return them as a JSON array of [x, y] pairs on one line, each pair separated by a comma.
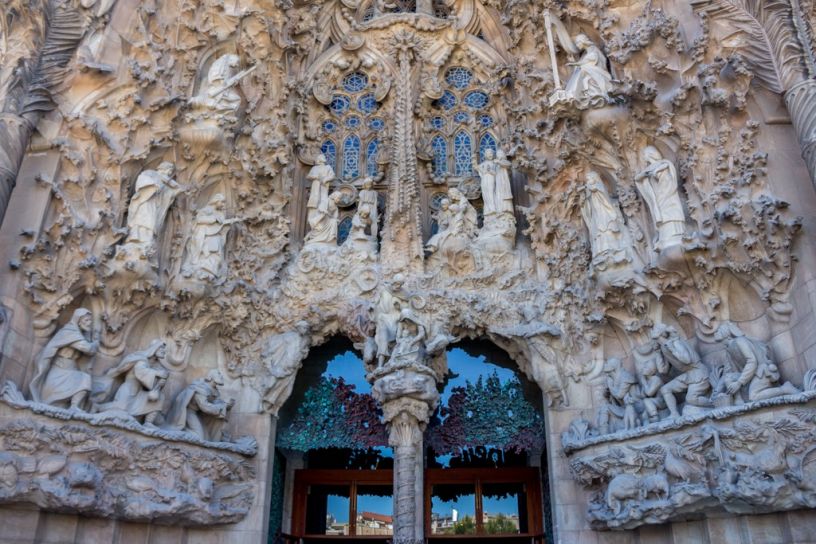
[[245, 445], [571, 444], [76, 467]]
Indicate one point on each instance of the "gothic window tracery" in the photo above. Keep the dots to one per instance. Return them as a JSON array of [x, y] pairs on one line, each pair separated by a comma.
[[352, 131], [461, 125]]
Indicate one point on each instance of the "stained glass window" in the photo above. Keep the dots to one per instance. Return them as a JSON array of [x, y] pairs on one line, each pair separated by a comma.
[[353, 121], [355, 82], [372, 168], [447, 101], [476, 100], [462, 154], [339, 104], [487, 142], [486, 121], [351, 157], [440, 155], [367, 104], [376, 124], [458, 77], [438, 123], [329, 126], [330, 151], [343, 229], [436, 200], [461, 117]]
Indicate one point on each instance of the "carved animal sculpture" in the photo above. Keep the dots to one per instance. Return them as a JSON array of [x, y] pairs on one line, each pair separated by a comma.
[[622, 487], [655, 484]]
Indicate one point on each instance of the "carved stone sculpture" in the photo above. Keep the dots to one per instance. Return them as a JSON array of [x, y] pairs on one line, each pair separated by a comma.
[[754, 363], [457, 220], [590, 82], [694, 375], [392, 300], [359, 241], [657, 184], [323, 233], [140, 390], [622, 394], [608, 240], [283, 355], [207, 243], [58, 378], [321, 175], [199, 408], [368, 199], [651, 367], [494, 175]]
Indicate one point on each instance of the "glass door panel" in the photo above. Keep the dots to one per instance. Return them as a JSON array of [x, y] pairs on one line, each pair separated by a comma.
[[375, 510], [504, 508], [327, 510], [453, 509]]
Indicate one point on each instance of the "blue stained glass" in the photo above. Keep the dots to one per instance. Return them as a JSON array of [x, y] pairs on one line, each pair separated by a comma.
[[353, 121], [343, 229], [440, 155], [376, 124], [486, 121], [329, 126], [330, 151], [461, 117], [487, 142], [351, 157], [446, 102], [438, 123], [458, 77], [367, 104], [462, 154], [371, 157], [476, 100], [355, 82], [339, 104]]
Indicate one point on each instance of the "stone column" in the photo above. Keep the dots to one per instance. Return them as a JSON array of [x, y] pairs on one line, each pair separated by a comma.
[[801, 102], [408, 396], [406, 419]]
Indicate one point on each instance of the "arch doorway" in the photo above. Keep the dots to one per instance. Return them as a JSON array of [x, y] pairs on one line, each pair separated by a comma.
[[485, 480]]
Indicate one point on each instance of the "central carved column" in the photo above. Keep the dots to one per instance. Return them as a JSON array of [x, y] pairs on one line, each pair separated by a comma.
[[406, 390]]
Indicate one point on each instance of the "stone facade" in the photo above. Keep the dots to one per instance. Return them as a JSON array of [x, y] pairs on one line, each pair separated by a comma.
[[619, 194]]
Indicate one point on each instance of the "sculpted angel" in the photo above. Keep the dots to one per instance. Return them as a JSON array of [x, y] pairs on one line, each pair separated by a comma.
[[657, 184], [590, 83], [155, 191]]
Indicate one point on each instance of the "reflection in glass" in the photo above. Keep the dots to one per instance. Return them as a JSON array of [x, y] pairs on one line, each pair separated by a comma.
[[453, 509], [375, 510], [327, 510], [504, 508]]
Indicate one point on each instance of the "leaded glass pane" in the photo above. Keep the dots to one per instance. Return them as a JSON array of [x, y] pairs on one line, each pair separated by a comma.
[[356, 82], [487, 142], [376, 124], [367, 104], [440, 155], [438, 123], [339, 104], [486, 121], [371, 157], [462, 154], [351, 157], [330, 151], [329, 126], [436, 200], [343, 229], [353, 121], [446, 102], [476, 100], [458, 77], [461, 117]]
